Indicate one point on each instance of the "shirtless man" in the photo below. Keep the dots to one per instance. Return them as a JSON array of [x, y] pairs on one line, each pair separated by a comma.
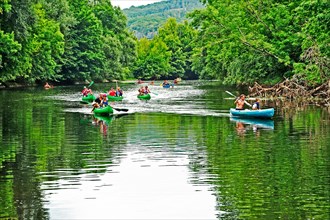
[[240, 102]]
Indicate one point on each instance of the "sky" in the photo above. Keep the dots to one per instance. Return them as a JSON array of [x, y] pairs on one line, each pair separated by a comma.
[[128, 3]]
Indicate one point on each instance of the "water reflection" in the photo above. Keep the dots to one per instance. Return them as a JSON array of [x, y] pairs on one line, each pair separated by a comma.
[[126, 192], [254, 124]]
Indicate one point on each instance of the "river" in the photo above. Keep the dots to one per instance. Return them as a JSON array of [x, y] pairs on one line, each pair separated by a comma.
[[177, 156]]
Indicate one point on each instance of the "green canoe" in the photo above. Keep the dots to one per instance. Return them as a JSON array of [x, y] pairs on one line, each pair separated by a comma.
[[144, 97], [103, 110], [89, 98], [115, 98]]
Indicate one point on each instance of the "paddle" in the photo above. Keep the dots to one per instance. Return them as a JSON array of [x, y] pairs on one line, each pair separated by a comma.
[[120, 109], [90, 84], [235, 97], [154, 93]]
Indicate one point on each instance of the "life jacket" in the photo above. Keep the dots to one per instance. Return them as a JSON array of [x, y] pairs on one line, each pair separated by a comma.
[[119, 93], [257, 105], [112, 93]]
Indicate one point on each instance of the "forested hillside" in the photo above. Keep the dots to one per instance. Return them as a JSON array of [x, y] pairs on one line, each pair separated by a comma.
[[145, 20], [63, 40]]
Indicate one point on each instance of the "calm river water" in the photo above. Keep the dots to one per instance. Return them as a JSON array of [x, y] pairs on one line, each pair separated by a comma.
[[177, 156]]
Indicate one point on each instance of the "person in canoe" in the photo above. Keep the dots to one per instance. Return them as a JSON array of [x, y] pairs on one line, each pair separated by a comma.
[[141, 90], [165, 83], [119, 92], [47, 86], [97, 102], [86, 91], [146, 90], [256, 105], [240, 101], [104, 100], [112, 92]]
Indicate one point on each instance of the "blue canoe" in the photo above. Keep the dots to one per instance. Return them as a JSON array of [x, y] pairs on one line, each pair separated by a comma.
[[247, 113], [166, 86]]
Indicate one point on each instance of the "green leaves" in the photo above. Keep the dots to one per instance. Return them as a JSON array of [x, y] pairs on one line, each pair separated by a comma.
[[9, 49], [243, 41], [67, 40], [171, 49]]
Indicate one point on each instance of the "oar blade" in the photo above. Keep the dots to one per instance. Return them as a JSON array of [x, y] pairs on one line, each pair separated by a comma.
[[121, 109], [230, 94], [91, 84]]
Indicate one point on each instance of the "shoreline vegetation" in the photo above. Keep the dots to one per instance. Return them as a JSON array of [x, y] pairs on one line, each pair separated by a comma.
[[288, 90], [283, 44]]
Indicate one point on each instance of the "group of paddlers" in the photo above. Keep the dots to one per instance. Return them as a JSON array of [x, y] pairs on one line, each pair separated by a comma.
[[240, 101], [112, 92], [102, 99], [144, 90], [175, 81]]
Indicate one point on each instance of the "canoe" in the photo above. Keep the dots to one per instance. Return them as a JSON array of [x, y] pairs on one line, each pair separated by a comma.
[[103, 110], [144, 97], [255, 122], [247, 113], [88, 98], [115, 98]]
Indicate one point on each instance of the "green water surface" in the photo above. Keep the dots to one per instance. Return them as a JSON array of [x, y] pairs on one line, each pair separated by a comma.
[[178, 156]]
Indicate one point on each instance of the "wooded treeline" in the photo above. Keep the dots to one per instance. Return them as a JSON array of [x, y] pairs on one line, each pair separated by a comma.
[[63, 40], [237, 42]]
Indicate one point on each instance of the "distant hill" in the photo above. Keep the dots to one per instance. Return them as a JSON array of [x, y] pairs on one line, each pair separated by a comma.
[[145, 20]]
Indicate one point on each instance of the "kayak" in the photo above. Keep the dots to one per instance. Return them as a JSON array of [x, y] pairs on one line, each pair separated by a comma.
[[88, 98], [144, 97], [115, 98], [255, 122], [103, 110], [166, 86], [247, 113]]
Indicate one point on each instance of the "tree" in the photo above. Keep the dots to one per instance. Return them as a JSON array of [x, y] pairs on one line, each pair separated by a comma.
[[153, 59], [267, 37], [84, 59]]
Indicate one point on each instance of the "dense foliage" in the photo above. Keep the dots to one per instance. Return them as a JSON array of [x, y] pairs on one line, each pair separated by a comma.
[[240, 42], [247, 41], [63, 40], [167, 54], [237, 42], [145, 20]]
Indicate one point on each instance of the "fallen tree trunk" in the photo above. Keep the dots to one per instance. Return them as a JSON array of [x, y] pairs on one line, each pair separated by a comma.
[[294, 90]]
